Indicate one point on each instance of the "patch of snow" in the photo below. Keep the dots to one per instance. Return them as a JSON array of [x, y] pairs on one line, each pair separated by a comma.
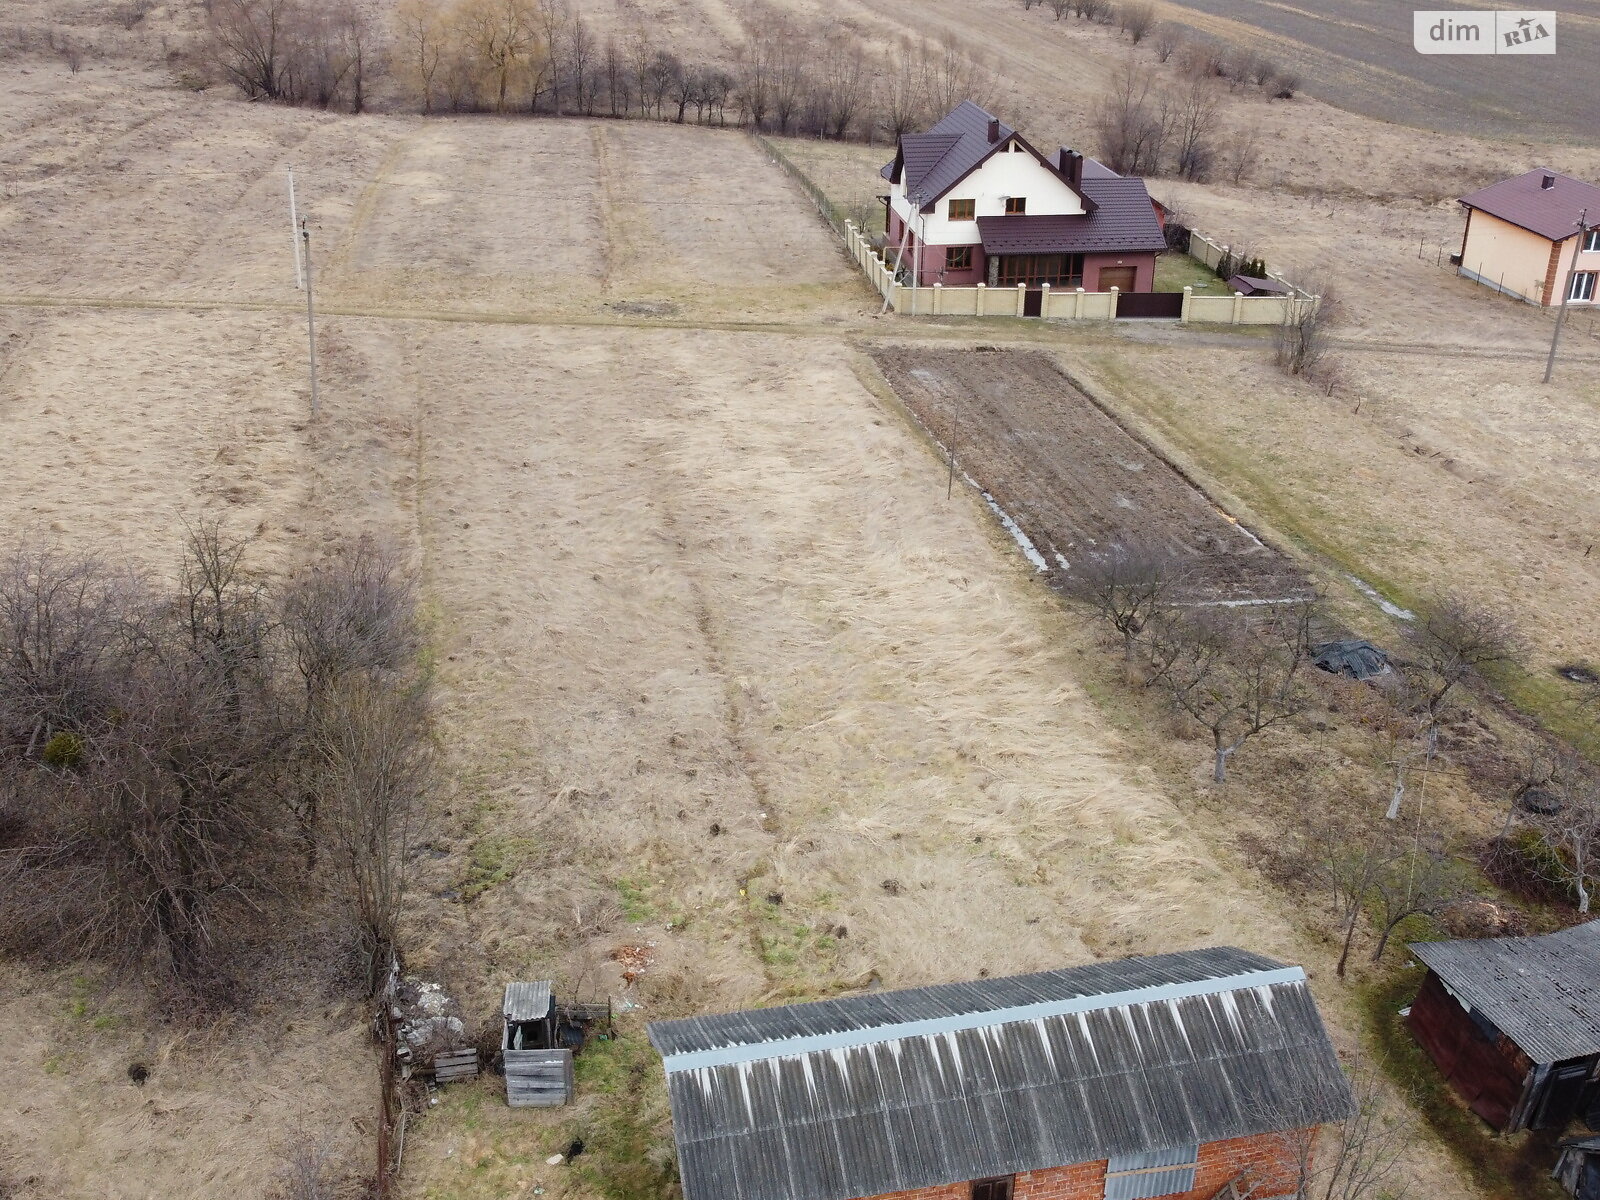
[[1372, 593]]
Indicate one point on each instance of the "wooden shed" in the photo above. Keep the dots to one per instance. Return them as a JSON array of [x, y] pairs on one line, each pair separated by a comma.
[[538, 1070], [1514, 1023], [1578, 1168]]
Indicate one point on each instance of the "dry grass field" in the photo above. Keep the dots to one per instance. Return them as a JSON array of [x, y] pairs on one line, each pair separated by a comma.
[[1359, 55], [723, 674]]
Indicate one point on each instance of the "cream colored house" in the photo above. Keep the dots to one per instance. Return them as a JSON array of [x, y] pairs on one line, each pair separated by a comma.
[[1527, 236]]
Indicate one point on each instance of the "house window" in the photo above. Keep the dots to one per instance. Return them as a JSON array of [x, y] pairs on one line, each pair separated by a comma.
[[1582, 286], [963, 210], [1016, 205], [993, 1189], [958, 258], [1058, 270], [1591, 240], [1152, 1173]]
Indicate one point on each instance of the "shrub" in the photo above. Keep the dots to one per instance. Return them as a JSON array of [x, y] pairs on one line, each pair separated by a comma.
[[63, 752]]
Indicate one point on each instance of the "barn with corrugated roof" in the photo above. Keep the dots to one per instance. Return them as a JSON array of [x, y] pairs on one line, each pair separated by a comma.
[[1514, 1024], [1171, 1075]]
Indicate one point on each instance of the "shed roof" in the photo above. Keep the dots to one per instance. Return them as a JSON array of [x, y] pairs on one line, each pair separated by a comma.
[[527, 1001], [1541, 992], [1551, 212], [1253, 284], [882, 1093], [1124, 221]]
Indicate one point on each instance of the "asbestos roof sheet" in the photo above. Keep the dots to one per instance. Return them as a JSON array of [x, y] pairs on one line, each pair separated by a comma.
[[881, 1093], [1541, 992], [1550, 212], [527, 1001], [1124, 222]]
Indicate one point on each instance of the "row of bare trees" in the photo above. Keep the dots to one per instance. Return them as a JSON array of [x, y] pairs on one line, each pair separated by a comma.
[[789, 75], [197, 772], [295, 51], [1150, 125], [1238, 66]]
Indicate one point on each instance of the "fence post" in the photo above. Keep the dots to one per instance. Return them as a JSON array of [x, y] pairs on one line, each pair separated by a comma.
[[1022, 298], [1188, 295], [1077, 304], [983, 307], [1238, 307], [938, 298], [1112, 315], [1044, 301]]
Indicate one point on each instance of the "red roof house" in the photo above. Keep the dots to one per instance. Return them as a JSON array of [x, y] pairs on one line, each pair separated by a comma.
[[971, 201], [1527, 236]]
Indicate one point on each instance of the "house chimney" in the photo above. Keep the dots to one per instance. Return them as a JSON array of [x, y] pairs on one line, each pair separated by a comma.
[[1548, 182], [994, 130], [1072, 167]]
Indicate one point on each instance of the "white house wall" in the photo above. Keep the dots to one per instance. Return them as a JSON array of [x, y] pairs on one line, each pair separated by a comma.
[[1006, 173]]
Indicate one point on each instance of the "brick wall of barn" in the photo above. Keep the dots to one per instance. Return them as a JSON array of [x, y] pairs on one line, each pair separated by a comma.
[[1270, 1162]]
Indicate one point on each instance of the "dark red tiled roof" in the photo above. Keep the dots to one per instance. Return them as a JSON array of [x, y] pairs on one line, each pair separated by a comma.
[[1124, 222], [1550, 212], [935, 161]]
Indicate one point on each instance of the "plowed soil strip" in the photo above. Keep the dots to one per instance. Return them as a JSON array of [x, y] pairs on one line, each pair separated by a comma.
[[1075, 481]]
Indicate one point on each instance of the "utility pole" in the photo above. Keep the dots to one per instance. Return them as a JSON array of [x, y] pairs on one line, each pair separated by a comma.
[[311, 322], [294, 235], [1566, 294]]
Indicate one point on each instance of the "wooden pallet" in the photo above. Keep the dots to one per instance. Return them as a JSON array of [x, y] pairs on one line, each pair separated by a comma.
[[453, 1066]]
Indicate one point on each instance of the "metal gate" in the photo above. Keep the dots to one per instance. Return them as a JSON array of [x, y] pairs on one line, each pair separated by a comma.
[[1149, 304]]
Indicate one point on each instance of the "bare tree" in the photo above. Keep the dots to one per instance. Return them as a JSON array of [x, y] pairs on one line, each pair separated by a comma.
[[1129, 585], [1346, 858], [1192, 116], [1303, 337], [1128, 123], [250, 42], [156, 744], [1452, 644], [1167, 39], [1567, 824], [1235, 676], [375, 760], [1135, 17], [310, 1171], [1423, 880], [422, 34], [1359, 1158], [1244, 153]]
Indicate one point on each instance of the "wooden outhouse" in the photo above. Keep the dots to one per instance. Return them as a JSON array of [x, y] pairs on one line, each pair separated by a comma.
[[538, 1070]]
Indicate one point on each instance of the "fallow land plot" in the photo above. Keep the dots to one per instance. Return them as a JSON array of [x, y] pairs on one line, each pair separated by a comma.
[[587, 218], [1075, 481]]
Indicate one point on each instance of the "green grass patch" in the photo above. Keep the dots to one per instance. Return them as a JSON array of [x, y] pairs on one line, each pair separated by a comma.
[[635, 904], [627, 1132], [1504, 1168], [494, 859], [1175, 271]]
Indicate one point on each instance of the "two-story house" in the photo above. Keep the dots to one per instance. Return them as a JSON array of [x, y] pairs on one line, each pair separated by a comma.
[[971, 201], [1528, 235]]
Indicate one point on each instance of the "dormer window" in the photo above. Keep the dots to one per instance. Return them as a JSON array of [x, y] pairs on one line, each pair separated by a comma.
[[1016, 206]]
